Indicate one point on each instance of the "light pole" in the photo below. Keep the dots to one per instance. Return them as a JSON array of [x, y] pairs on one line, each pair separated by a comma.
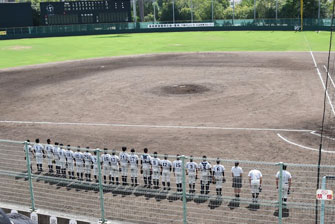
[[173, 11], [153, 4], [212, 10], [233, 11], [276, 9], [191, 11], [134, 11], [254, 9]]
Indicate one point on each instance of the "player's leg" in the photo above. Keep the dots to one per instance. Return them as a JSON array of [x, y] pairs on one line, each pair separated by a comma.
[[202, 186], [117, 176]]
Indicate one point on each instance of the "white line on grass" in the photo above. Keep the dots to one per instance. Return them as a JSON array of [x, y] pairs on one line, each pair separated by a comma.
[[152, 126], [319, 73], [302, 146]]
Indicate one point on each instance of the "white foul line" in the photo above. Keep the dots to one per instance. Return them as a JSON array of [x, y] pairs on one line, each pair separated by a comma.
[[302, 146], [314, 133], [152, 126], [329, 75], [323, 84], [318, 71]]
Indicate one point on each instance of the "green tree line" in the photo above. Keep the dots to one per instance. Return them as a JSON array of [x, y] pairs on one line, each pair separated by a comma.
[[201, 10]]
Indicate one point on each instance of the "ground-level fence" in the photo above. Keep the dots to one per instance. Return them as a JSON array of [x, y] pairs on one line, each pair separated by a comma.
[[107, 200], [144, 27]]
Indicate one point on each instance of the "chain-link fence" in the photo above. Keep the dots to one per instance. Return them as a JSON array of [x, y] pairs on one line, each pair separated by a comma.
[[148, 188]]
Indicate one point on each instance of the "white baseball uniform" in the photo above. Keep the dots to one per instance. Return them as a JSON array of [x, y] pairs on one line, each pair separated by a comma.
[[124, 160], [95, 165], [133, 159], [177, 165], [49, 150], [105, 158], [114, 159], [218, 171], [255, 177], [146, 165], [156, 168], [62, 158], [78, 156], [56, 155], [69, 160], [38, 148], [30, 152], [88, 161], [166, 165], [205, 168], [192, 171], [285, 180]]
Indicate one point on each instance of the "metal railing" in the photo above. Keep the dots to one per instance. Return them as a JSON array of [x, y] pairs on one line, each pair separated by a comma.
[[103, 200]]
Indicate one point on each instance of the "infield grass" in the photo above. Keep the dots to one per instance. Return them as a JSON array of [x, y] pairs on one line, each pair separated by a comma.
[[43, 50]]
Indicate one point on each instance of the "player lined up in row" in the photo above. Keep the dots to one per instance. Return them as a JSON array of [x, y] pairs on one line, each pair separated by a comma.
[[151, 167]]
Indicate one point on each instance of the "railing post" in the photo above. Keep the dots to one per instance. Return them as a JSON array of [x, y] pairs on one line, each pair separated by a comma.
[[26, 149], [184, 190], [101, 192], [323, 187], [280, 193]]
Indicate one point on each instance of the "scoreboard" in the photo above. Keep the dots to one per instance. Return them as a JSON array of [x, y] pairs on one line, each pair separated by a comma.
[[15, 15], [84, 12]]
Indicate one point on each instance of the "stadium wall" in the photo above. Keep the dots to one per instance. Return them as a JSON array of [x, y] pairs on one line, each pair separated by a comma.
[[147, 27]]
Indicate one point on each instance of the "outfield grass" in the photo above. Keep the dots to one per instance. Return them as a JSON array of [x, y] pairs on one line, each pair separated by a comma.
[[42, 50]]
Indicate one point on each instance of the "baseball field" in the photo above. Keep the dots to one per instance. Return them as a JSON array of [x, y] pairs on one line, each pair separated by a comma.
[[252, 96]]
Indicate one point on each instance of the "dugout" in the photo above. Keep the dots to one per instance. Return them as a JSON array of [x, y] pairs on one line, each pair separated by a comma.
[[15, 15]]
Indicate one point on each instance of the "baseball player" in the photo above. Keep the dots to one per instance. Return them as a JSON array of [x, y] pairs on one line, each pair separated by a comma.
[[146, 168], [30, 154], [69, 162], [156, 170], [57, 158], [105, 161], [95, 166], [133, 159], [79, 163], [115, 162], [166, 171], [49, 149], [236, 173], [39, 153], [255, 181], [88, 163], [62, 160], [177, 171], [218, 176], [192, 172], [124, 160], [286, 183], [205, 168]]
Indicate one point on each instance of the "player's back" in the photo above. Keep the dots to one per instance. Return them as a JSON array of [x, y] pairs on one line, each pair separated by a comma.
[[78, 157], [105, 158], [69, 155], [38, 149], [49, 150], [87, 157], [133, 159], [177, 165], [166, 165], [156, 162], [218, 169], [191, 167], [114, 160], [146, 160], [124, 158]]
